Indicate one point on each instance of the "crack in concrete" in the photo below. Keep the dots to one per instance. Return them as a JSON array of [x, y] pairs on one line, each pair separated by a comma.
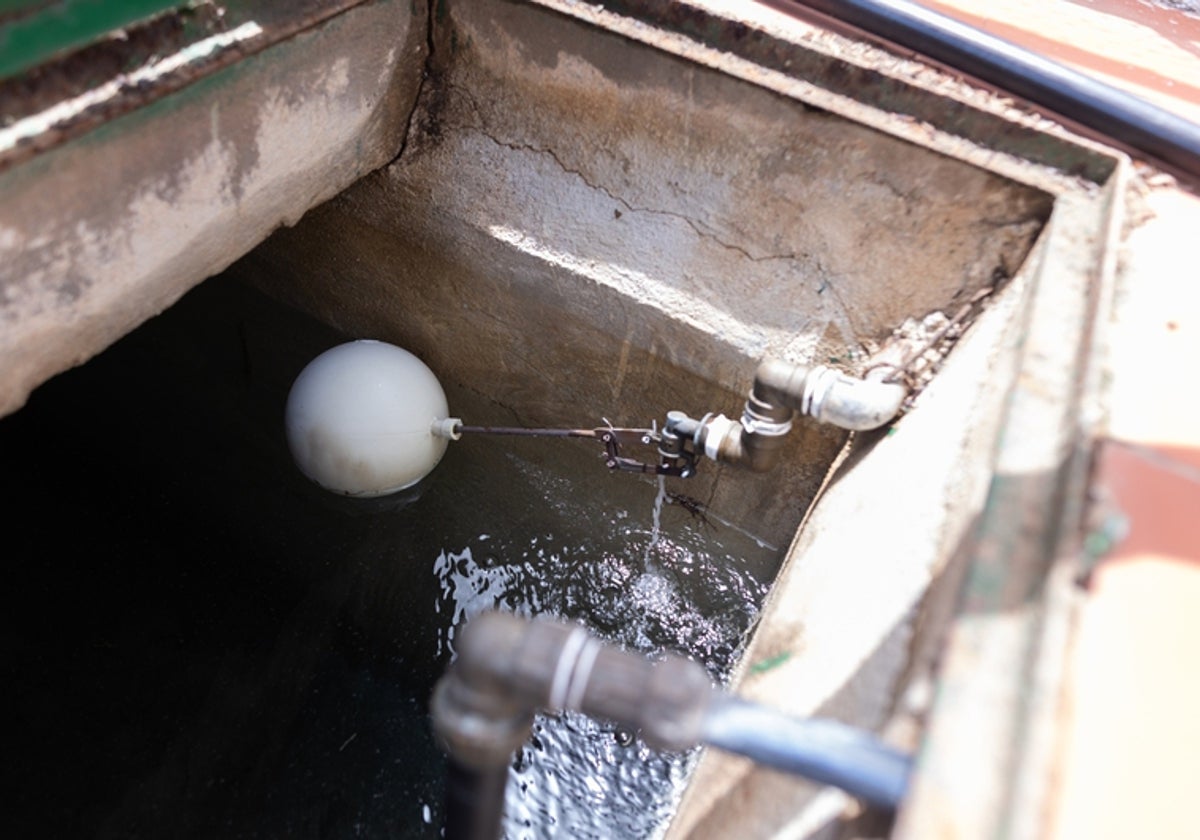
[[473, 119], [907, 196], [696, 226], [426, 73], [825, 278]]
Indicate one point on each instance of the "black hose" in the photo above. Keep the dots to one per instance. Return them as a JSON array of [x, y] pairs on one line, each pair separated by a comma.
[[824, 751], [474, 801], [1100, 110]]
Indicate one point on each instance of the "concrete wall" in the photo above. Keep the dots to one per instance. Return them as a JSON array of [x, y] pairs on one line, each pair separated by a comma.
[[582, 226], [109, 229]]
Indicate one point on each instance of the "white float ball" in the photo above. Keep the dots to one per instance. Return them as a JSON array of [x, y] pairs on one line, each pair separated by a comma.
[[361, 419]]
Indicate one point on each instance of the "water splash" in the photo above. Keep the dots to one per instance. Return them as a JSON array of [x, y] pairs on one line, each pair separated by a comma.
[[578, 777], [468, 588], [569, 543]]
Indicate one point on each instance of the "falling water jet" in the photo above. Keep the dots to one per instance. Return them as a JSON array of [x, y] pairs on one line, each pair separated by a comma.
[[656, 528]]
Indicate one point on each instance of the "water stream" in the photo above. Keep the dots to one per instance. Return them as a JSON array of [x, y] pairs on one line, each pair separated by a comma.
[[656, 528]]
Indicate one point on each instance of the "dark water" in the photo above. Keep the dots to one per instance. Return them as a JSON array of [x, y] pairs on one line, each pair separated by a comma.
[[684, 590], [198, 643]]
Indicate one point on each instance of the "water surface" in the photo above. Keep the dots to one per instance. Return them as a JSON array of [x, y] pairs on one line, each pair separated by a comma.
[[199, 643]]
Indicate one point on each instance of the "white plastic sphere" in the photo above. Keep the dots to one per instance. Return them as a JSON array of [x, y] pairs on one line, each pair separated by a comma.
[[360, 419]]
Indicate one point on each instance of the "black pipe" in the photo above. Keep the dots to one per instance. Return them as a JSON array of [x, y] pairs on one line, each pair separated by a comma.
[[474, 801], [825, 751], [1093, 107]]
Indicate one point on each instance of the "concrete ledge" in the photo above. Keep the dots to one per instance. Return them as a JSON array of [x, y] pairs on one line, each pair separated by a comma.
[[108, 230]]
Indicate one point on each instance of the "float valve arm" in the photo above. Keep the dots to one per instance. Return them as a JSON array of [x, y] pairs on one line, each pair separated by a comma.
[[674, 458]]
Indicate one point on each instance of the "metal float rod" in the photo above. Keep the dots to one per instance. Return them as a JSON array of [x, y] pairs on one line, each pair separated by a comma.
[[524, 432]]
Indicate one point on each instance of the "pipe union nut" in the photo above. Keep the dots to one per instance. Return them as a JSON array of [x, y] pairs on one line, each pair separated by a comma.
[[716, 431]]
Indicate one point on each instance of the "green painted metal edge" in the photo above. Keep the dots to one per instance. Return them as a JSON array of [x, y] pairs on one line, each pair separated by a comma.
[[32, 32]]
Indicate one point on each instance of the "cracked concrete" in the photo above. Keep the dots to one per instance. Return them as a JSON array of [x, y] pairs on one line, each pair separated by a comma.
[[695, 225], [578, 226], [563, 187], [111, 228]]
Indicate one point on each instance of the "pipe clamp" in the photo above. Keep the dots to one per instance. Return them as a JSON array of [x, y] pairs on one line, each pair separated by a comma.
[[756, 425]]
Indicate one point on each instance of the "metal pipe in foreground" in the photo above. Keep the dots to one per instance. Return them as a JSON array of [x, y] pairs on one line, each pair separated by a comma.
[[509, 667], [474, 801]]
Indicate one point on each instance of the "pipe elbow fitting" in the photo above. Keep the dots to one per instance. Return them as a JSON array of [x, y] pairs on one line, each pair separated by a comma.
[[780, 390], [756, 451], [828, 395], [508, 667], [854, 404], [777, 382]]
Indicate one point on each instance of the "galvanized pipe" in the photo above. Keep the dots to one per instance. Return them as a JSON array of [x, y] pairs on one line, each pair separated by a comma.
[[474, 801], [780, 390], [508, 666], [828, 395]]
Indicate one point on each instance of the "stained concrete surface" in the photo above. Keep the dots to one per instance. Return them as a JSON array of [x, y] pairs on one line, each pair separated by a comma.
[[1165, 201], [577, 216], [103, 232]]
